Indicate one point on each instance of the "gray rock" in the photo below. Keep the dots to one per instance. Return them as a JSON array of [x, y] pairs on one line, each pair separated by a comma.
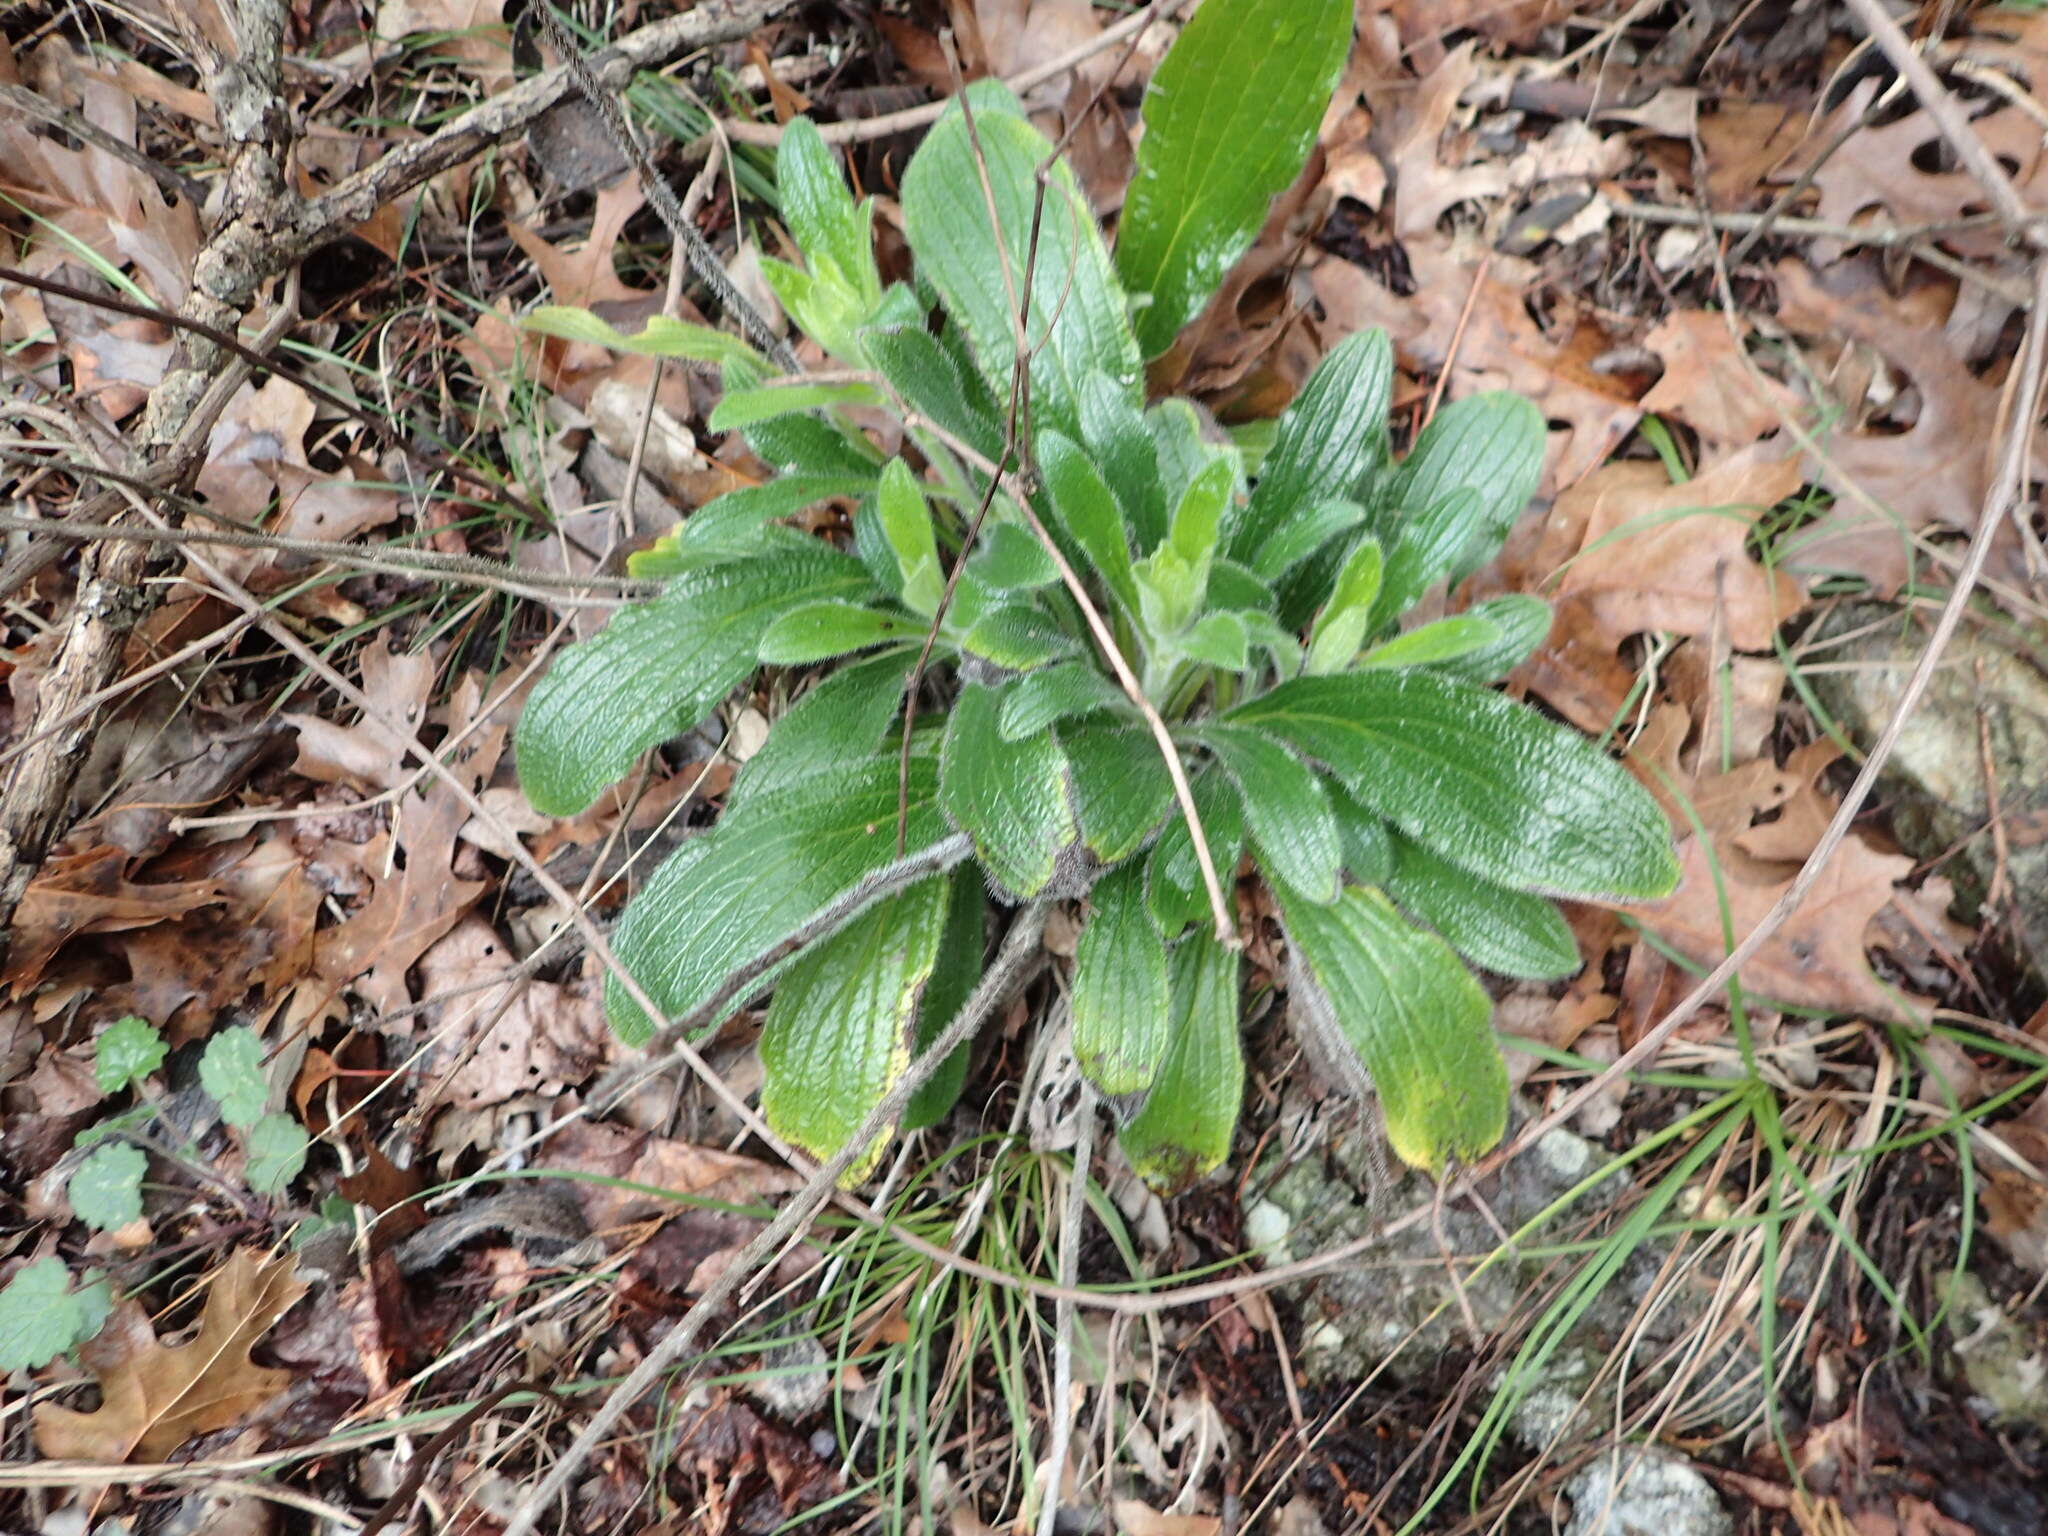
[[1637, 1491], [1993, 682]]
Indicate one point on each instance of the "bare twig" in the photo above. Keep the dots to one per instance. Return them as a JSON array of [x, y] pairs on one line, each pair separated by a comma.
[[703, 260], [511, 112], [29, 104], [1020, 946], [863, 129], [1060, 1409]]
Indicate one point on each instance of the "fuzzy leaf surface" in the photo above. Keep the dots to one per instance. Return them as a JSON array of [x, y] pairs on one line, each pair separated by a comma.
[[1510, 933], [127, 1050], [1121, 1020], [1183, 1129], [839, 1028], [1329, 440], [1292, 828], [1487, 783], [658, 668], [1074, 295], [768, 867], [41, 1315], [1011, 798], [1390, 1006], [1121, 787]]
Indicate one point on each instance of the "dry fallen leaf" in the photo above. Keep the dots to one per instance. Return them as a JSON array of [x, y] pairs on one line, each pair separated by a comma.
[[89, 892], [1816, 960], [471, 32], [104, 203], [1708, 385], [635, 1157], [154, 1397], [548, 1037], [1935, 472], [1659, 556]]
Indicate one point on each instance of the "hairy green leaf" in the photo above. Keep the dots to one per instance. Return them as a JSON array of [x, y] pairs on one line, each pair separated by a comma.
[[1368, 840], [1114, 430], [1392, 1010], [1120, 785], [1089, 513], [768, 867], [1076, 321], [1016, 637], [818, 631], [1009, 558], [839, 1028], [924, 373], [658, 668], [1346, 618], [1310, 526], [1011, 798], [1229, 118], [1484, 781], [1491, 445], [1173, 879], [1121, 1020], [1329, 441], [1445, 640], [1520, 623], [1508, 932], [750, 407], [1293, 831], [1056, 693], [954, 975], [845, 716], [128, 1050], [737, 522], [1183, 1129], [821, 212]]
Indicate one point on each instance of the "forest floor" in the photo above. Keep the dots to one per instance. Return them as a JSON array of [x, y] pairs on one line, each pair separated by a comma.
[[306, 1222]]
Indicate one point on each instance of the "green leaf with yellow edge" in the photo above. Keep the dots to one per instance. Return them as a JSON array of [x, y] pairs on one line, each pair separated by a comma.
[[1183, 1129], [769, 866], [840, 1026], [1394, 1011], [1120, 1009]]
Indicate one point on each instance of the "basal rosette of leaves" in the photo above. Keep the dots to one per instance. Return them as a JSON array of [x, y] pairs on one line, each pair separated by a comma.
[[1407, 818]]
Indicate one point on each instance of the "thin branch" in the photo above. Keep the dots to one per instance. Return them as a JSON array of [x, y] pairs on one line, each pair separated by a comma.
[[862, 130], [703, 260], [512, 112], [29, 104], [1020, 946], [541, 586]]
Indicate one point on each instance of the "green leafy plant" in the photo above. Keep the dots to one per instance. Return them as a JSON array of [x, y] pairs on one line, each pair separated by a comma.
[[1130, 635]]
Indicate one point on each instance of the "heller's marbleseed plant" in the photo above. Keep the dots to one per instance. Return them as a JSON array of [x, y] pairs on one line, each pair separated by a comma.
[[1401, 812]]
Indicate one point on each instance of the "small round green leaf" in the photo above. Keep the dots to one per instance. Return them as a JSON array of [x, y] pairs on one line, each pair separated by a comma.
[[106, 1191], [232, 1071], [128, 1049]]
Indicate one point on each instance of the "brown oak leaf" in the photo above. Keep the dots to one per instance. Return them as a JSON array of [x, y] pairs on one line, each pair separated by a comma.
[[154, 1397]]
